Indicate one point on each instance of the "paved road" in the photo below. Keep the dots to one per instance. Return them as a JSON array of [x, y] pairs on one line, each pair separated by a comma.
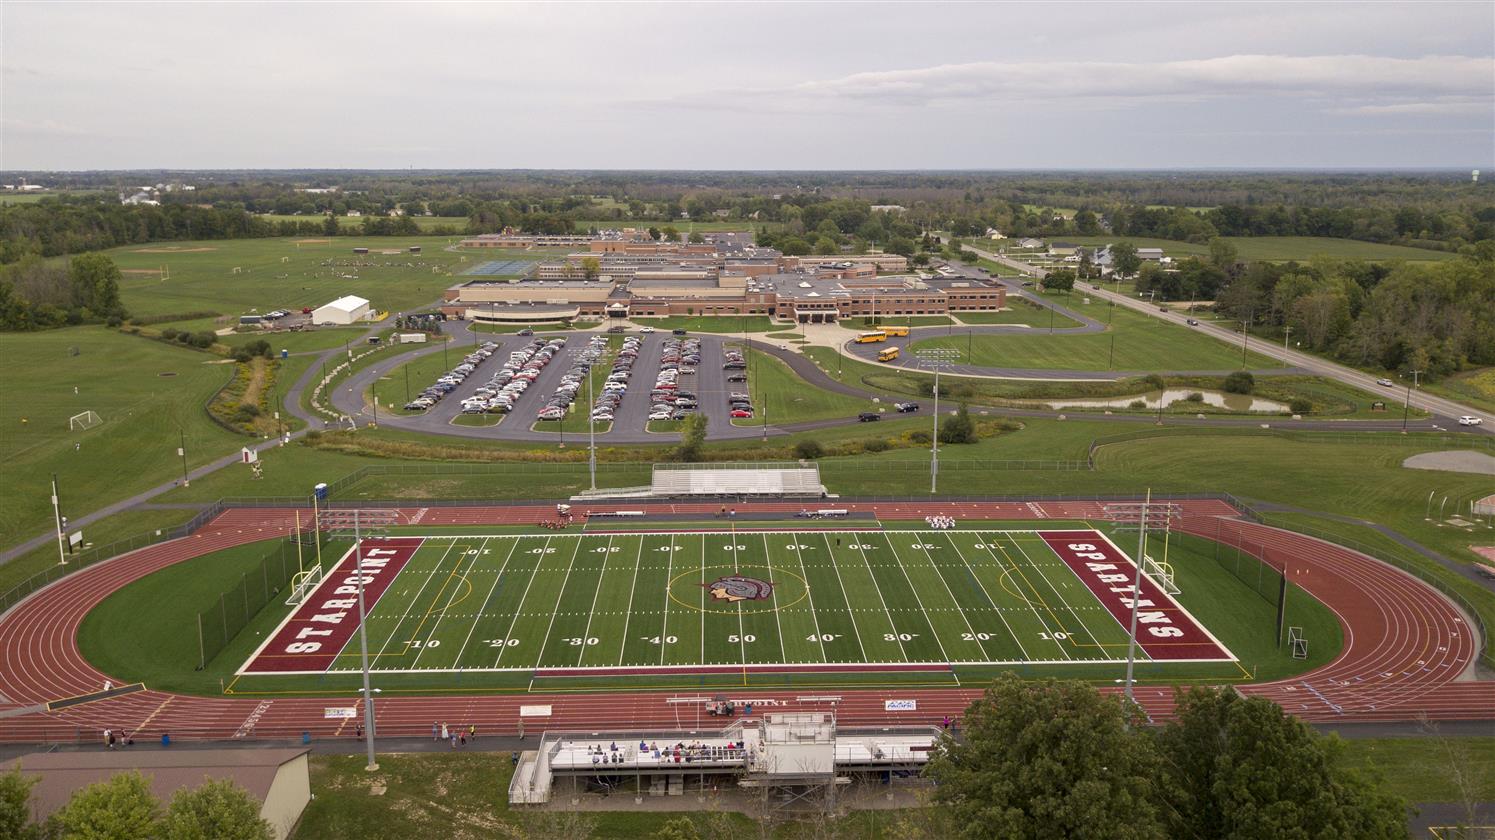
[[1447, 409]]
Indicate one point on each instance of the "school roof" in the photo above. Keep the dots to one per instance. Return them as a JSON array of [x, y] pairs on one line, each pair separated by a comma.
[[64, 773]]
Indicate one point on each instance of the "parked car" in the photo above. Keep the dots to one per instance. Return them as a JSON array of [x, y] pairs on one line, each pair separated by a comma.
[[678, 331], [646, 330], [742, 412], [869, 417], [526, 331], [1469, 420]]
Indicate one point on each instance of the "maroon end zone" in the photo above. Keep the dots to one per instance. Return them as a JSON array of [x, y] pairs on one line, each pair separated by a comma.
[[311, 637], [1164, 629]]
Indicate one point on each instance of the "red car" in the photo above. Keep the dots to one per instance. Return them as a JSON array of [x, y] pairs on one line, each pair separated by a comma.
[[741, 412]]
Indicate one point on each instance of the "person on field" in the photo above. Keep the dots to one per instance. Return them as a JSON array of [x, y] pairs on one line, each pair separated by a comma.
[[435, 731], [444, 733]]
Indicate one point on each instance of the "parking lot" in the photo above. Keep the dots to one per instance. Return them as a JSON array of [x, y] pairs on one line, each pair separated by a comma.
[[630, 415]]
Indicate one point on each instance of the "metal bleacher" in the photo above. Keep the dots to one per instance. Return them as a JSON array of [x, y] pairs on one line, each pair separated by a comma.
[[780, 479]]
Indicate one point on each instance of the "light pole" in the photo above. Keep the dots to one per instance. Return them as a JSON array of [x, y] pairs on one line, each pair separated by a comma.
[[1407, 402], [181, 451], [936, 359], [378, 520], [1131, 648], [57, 513], [591, 434]]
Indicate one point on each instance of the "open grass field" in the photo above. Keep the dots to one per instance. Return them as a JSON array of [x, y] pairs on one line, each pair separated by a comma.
[[788, 398], [1020, 311], [194, 277], [763, 606], [1279, 248], [858, 324], [303, 341], [146, 392], [353, 224], [1141, 343]]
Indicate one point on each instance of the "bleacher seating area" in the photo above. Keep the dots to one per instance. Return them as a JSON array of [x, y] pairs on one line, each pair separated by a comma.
[[756, 479]]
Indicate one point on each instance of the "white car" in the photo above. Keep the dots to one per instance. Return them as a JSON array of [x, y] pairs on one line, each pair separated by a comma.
[[646, 330], [1467, 420]]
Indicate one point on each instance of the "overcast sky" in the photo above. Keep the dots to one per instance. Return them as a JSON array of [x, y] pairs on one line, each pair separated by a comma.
[[755, 85]]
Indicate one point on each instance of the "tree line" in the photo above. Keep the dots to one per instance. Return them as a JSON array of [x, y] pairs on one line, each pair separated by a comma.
[[1048, 758]]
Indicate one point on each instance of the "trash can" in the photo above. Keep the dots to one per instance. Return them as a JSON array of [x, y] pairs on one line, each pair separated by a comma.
[[284, 353], [305, 738], [165, 739]]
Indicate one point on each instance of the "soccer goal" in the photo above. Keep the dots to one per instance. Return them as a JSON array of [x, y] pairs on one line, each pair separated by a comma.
[[86, 420], [303, 584], [1161, 574]]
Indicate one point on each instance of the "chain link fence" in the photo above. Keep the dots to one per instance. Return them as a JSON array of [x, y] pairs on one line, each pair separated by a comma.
[[222, 621]]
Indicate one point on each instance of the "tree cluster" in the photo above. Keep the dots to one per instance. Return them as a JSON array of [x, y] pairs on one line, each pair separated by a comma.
[[1054, 758], [37, 294]]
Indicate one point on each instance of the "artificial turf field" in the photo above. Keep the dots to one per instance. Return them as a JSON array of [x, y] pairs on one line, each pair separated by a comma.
[[601, 608]]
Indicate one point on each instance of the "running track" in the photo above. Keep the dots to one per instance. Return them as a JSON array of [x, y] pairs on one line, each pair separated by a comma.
[[1408, 652]]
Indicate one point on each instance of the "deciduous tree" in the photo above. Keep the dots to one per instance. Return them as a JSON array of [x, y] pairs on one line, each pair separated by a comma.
[[217, 810]]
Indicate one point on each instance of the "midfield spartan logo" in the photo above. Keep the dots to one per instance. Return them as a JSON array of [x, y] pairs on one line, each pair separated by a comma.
[[739, 588]]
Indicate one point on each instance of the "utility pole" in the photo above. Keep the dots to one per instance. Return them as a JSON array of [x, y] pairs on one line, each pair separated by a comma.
[[1407, 402], [1287, 331], [1246, 336]]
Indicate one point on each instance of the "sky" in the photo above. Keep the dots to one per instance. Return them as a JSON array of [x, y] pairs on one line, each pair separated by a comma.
[[757, 85]]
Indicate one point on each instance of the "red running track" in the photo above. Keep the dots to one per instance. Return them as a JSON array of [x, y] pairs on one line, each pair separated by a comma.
[[1407, 652]]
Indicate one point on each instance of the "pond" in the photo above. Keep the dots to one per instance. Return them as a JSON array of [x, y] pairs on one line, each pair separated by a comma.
[[1238, 403]]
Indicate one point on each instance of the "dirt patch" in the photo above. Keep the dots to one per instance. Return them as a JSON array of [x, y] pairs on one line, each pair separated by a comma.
[[1453, 460], [1485, 551], [140, 271], [172, 250]]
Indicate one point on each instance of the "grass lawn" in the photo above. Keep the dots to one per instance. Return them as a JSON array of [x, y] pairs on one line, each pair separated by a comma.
[[1426, 769], [1142, 343], [419, 373], [863, 324], [280, 273], [1021, 311], [1279, 248], [147, 393], [787, 398], [726, 324]]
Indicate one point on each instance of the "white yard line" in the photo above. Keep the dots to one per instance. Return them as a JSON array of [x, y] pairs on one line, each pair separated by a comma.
[[958, 608], [596, 592], [628, 617], [669, 571], [1067, 606], [836, 566], [1029, 601], [398, 624], [800, 556], [425, 644], [519, 608], [559, 596], [989, 599], [888, 614], [768, 558], [484, 608], [920, 601]]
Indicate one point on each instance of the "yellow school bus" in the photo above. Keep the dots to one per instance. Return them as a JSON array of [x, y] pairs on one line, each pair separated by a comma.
[[870, 337], [888, 354], [895, 332]]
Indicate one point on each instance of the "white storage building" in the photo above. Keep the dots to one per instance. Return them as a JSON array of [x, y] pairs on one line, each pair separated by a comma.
[[345, 310]]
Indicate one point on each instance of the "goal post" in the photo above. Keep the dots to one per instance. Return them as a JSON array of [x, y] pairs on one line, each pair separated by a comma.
[[1161, 573], [85, 420], [303, 584]]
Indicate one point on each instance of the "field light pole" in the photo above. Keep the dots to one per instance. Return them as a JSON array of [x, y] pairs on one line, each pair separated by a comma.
[[363, 644], [935, 358], [182, 452], [1131, 648], [591, 433]]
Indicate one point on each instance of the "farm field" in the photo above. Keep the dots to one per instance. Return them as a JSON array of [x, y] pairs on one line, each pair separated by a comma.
[[1141, 343], [1278, 248], [200, 277], [353, 224]]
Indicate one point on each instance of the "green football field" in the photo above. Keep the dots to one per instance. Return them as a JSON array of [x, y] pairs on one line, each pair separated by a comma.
[[609, 605]]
